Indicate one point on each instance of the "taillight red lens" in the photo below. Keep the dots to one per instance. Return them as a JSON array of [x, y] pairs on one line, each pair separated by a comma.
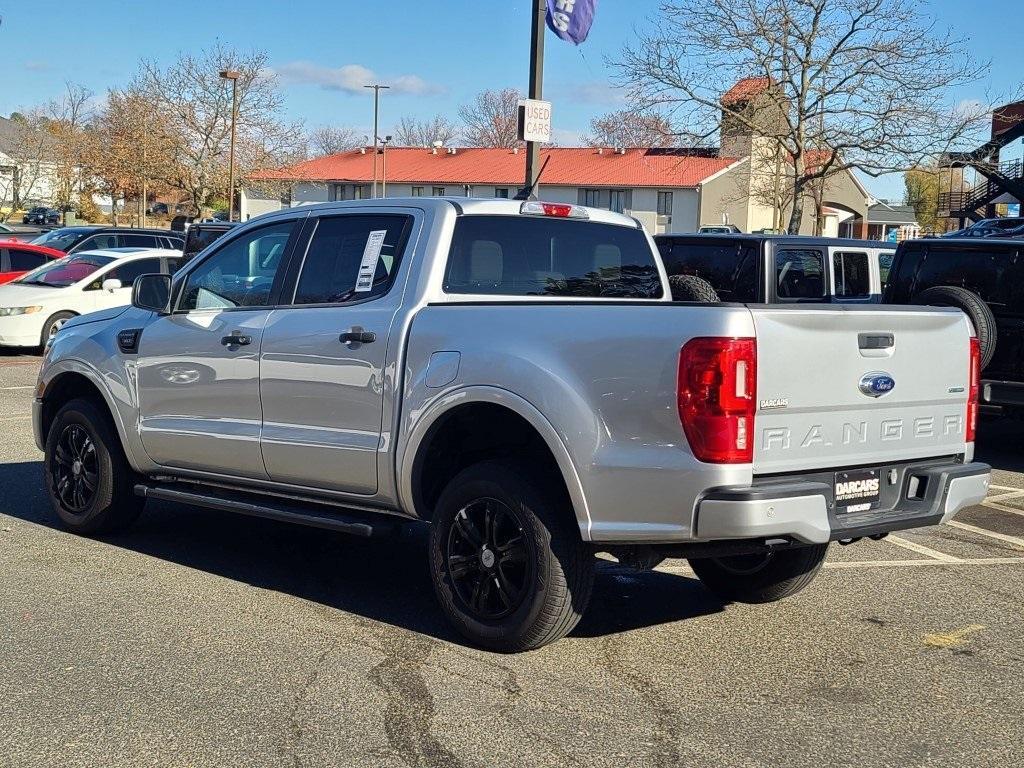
[[974, 389], [717, 398]]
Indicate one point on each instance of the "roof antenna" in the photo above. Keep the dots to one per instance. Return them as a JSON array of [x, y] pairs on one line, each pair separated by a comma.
[[527, 193]]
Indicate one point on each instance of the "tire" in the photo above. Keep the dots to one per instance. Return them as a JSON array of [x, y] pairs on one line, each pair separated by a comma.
[[52, 325], [534, 594], [83, 437], [760, 578], [971, 304], [692, 288]]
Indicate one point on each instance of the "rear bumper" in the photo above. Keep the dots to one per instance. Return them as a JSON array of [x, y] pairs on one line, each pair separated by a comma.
[[925, 493], [1004, 393]]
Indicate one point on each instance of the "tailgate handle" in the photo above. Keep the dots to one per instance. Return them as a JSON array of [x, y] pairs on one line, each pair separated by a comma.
[[876, 340]]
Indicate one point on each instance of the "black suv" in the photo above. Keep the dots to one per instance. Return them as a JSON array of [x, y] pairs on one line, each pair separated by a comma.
[[201, 233], [74, 239], [984, 277], [41, 215]]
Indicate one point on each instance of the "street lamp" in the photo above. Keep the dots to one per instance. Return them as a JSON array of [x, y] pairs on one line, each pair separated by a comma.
[[232, 75], [376, 135]]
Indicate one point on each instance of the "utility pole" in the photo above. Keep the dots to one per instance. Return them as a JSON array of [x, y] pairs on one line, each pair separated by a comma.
[[384, 161], [536, 85], [377, 88], [232, 75]]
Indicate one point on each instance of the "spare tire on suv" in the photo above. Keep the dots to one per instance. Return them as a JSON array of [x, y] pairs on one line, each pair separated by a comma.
[[971, 304], [692, 288]]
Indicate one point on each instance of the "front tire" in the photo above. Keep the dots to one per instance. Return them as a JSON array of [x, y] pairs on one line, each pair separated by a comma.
[[506, 558], [88, 478], [762, 577]]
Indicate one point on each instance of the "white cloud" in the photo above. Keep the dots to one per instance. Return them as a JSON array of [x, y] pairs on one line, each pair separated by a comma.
[[351, 78]]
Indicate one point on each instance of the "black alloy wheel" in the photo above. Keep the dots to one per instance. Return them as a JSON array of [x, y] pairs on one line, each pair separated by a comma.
[[75, 469], [489, 560]]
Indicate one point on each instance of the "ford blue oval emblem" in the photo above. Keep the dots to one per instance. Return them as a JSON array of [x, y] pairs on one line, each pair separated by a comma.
[[877, 384]]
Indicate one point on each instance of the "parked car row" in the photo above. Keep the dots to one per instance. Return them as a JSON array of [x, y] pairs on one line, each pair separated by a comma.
[[1004, 226]]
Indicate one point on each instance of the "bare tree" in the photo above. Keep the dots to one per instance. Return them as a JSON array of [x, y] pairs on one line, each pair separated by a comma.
[[836, 84], [628, 128], [197, 106], [423, 133], [331, 139], [67, 120], [492, 119], [26, 147]]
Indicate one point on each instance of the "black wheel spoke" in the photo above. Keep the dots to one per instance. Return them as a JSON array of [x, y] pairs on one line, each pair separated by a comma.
[[89, 479], [461, 565], [62, 457], [489, 526], [512, 551], [75, 468], [507, 593], [468, 530]]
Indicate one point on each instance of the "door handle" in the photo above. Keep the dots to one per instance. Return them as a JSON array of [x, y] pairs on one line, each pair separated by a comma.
[[358, 336], [236, 339]]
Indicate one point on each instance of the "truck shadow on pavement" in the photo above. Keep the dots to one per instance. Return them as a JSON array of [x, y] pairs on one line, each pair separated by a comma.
[[384, 580]]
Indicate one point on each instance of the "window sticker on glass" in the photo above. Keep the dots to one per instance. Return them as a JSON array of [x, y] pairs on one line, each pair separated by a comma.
[[371, 255]]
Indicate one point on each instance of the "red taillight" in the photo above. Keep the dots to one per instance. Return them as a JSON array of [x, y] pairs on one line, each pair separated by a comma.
[[717, 398], [974, 389], [554, 209]]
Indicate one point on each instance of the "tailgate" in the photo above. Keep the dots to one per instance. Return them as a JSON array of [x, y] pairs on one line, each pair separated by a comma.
[[851, 386]]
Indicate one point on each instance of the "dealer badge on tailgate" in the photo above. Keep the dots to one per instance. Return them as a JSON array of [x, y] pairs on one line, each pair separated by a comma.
[[858, 490]]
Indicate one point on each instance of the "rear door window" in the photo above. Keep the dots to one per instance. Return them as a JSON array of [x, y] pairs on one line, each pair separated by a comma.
[[535, 256], [731, 268], [885, 259], [351, 258], [851, 276], [137, 241], [799, 274], [23, 261]]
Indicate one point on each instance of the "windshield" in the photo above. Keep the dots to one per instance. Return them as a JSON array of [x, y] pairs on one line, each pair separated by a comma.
[[66, 271], [533, 256], [61, 239]]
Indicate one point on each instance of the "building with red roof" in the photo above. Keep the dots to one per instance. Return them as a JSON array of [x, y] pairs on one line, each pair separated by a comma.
[[667, 189]]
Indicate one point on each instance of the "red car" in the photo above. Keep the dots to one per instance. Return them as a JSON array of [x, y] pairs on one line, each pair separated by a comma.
[[18, 258]]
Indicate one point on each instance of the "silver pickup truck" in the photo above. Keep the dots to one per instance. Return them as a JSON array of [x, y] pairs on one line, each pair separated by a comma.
[[518, 375]]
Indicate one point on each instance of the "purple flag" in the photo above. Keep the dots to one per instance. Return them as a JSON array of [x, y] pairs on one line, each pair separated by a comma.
[[571, 19]]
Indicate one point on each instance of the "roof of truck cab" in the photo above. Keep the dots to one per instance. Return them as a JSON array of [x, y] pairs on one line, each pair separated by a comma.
[[469, 206]]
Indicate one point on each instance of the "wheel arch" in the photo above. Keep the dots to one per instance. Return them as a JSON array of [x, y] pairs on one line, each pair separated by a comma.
[[469, 405]]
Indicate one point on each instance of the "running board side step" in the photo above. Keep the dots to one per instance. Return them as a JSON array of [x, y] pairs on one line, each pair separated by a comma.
[[342, 520]]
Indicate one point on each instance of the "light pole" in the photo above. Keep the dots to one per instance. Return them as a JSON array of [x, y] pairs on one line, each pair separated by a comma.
[[232, 75], [536, 85], [384, 162], [377, 88]]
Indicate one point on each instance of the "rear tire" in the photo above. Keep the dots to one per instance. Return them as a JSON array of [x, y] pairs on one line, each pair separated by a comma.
[[970, 304], [692, 288], [508, 564], [88, 478], [760, 578]]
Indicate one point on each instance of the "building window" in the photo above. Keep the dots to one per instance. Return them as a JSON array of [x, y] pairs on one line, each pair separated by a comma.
[[501, 192], [438, 192], [591, 198], [618, 200], [664, 203], [336, 192], [360, 192], [417, 191]]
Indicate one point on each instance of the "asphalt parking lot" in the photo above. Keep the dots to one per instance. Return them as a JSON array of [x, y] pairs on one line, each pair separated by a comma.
[[204, 639]]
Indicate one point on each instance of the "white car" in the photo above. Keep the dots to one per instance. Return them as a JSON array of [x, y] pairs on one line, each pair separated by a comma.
[[34, 306]]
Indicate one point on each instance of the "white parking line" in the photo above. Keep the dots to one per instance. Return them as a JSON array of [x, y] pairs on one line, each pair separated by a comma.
[[1004, 487], [843, 565], [26, 386], [1002, 507], [934, 554], [1015, 540]]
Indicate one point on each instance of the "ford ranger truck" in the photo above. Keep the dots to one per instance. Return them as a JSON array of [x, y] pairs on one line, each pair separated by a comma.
[[517, 375]]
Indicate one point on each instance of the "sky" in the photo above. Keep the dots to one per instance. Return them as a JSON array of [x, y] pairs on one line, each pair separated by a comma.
[[436, 55]]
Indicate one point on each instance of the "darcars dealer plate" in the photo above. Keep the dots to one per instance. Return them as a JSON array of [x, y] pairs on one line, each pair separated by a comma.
[[857, 490]]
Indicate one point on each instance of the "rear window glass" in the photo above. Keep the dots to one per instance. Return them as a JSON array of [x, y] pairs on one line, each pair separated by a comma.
[[851, 275], [730, 268], [533, 256], [991, 272], [799, 274]]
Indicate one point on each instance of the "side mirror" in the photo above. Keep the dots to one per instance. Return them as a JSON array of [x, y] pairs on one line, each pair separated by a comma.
[[111, 284], [152, 292]]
